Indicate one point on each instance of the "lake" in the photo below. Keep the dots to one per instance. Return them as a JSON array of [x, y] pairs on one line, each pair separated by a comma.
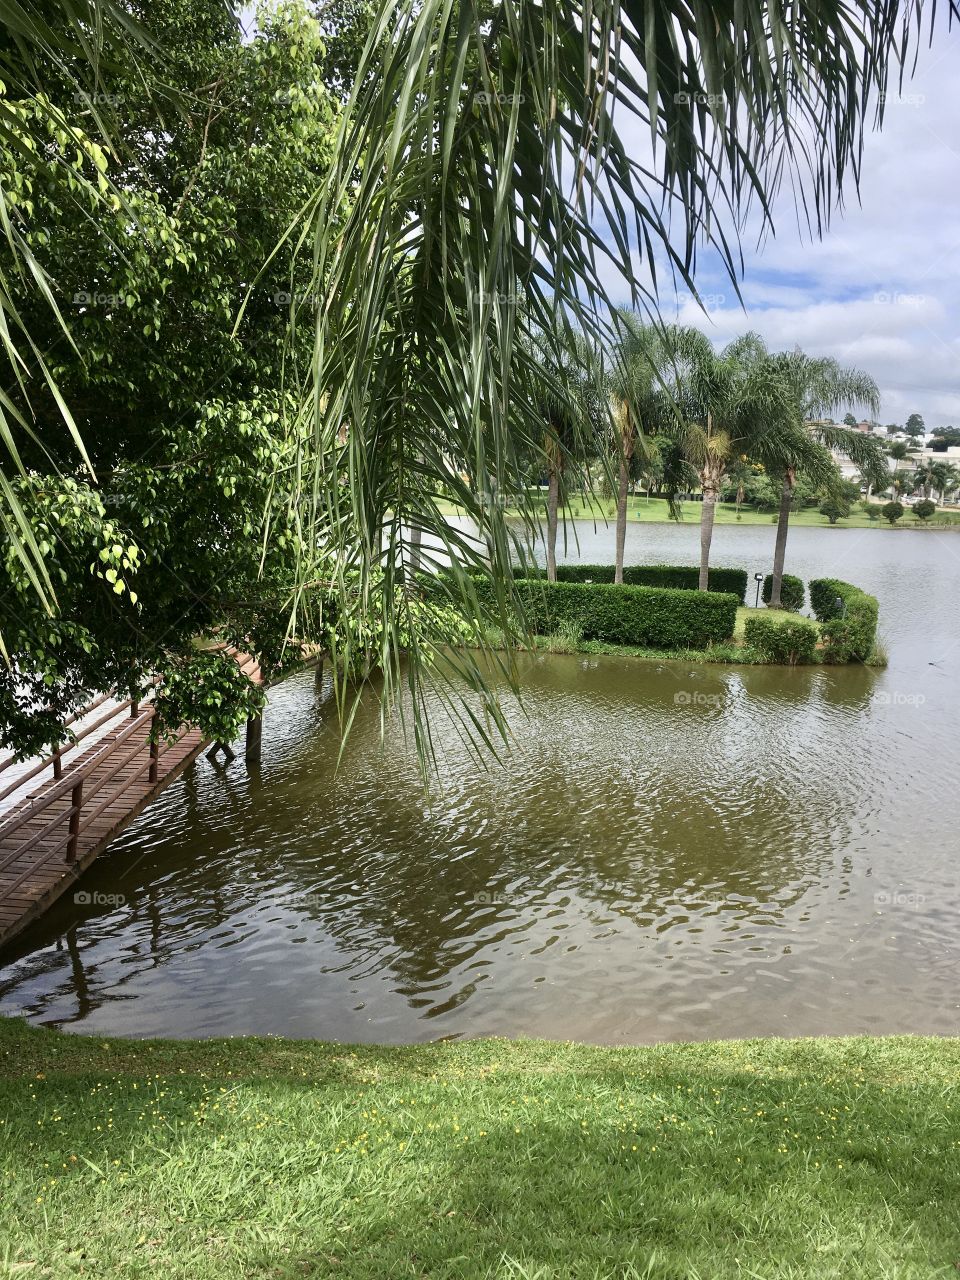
[[666, 851]]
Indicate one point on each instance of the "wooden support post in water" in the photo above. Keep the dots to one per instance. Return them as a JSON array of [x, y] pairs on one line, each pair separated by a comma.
[[154, 759], [57, 763], [254, 739], [76, 804]]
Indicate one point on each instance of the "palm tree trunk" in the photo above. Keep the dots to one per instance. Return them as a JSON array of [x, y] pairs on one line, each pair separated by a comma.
[[416, 537], [627, 444], [706, 532], [621, 519], [553, 502], [783, 527]]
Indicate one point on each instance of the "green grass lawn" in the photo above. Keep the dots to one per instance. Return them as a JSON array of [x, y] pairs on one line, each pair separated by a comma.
[[775, 615], [654, 511], [269, 1158]]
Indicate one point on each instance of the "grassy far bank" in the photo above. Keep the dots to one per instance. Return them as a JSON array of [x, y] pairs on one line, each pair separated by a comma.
[[271, 1158], [654, 511]]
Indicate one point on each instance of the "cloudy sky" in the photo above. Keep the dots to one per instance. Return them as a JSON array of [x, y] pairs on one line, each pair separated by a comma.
[[882, 289]]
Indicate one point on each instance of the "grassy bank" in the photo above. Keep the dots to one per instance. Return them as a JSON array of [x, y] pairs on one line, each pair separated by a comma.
[[269, 1158], [654, 511]]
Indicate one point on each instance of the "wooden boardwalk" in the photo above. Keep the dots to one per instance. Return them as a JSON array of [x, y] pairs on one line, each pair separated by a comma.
[[48, 838]]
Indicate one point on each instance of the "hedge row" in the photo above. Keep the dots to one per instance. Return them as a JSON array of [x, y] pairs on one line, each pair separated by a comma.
[[793, 641], [649, 617], [677, 576], [792, 592], [848, 617]]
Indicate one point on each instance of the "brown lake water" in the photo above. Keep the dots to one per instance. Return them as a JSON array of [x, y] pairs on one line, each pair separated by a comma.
[[667, 851]]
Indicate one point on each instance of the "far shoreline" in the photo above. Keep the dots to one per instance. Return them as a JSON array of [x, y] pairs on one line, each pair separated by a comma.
[[638, 512]]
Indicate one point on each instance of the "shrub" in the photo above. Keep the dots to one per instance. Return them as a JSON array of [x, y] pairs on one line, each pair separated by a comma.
[[892, 511], [566, 638], [924, 509], [834, 509], [871, 510], [849, 618], [653, 617], [793, 641], [678, 576], [792, 592]]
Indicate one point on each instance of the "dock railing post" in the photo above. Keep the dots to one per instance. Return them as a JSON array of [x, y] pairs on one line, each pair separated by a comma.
[[254, 739], [76, 804], [154, 759]]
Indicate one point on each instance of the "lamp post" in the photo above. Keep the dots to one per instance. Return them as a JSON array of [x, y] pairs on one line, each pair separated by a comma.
[[758, 578]]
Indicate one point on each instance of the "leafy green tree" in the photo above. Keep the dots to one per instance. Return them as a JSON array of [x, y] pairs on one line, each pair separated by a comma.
[[345, 26], [892, 511], [943, 438], [184, 401], [834, 509], [914, 426], [924, 509]]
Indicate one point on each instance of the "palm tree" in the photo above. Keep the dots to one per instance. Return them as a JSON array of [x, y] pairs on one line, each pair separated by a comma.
[[820, 386], [932, 473], [639, 407], [901, 451], [569, 390], [949, 480], [733, 404]]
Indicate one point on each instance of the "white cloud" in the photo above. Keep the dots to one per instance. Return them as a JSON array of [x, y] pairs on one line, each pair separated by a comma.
[[882, 288]]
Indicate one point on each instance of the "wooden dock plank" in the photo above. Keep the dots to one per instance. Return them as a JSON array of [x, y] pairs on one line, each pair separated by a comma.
[[32, 879]]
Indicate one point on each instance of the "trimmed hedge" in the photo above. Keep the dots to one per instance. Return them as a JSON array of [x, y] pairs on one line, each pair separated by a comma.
[[794, 641], [676, 576], [849, 628], [648, 617], [792, 592]]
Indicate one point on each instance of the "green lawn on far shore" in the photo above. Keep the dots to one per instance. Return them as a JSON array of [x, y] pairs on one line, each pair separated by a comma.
[[654, 511], [771, 1159]]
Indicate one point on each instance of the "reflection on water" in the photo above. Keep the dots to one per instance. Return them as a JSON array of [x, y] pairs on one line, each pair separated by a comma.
[[667, 851]]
